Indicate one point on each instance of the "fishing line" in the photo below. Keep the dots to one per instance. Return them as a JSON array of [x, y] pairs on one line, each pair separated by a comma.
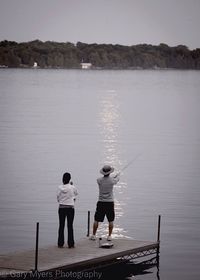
[[128, 164]]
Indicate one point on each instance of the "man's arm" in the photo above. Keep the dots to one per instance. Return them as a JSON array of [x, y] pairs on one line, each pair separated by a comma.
[[116, 178]]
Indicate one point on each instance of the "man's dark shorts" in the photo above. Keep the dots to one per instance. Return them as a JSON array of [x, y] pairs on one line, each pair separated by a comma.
[[104, 209]]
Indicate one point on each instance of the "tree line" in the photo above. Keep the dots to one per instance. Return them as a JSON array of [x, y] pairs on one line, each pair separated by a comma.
[[102, 56]]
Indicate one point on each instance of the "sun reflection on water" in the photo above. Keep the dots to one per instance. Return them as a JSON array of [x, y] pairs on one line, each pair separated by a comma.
[[109, 127]]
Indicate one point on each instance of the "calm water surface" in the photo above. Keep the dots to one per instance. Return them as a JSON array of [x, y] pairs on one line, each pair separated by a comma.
[[52, 121]]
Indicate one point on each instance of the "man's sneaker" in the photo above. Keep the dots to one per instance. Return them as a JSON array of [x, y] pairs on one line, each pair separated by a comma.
[[92, 237], [109, 238]]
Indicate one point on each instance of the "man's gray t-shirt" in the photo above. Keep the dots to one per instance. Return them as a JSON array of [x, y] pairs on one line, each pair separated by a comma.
[[106, 188]]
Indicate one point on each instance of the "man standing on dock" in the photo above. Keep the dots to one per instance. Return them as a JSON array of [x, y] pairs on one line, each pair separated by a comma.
[[105, 204], [66, 195]]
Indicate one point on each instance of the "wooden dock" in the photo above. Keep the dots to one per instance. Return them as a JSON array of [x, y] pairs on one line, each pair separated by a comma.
[[87, 254]]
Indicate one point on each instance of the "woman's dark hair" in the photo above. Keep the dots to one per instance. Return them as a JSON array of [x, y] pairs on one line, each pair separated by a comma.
[[66, 178]]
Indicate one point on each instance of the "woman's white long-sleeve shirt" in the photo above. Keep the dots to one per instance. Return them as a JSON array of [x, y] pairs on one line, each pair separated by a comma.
[[66, 194]]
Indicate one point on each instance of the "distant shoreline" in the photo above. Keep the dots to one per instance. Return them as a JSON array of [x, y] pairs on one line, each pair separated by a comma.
[[53, 55], [2, 67]]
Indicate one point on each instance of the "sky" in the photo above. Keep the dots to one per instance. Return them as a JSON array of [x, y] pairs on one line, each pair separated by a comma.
[[125, 22]]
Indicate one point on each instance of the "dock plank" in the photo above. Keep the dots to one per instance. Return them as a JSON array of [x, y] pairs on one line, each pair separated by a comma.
[[86, 252]]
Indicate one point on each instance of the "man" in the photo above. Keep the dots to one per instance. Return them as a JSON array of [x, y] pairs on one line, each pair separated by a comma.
[[66, 194], [105, 204]]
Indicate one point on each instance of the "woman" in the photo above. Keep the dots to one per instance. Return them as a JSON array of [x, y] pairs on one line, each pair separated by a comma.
[[66, 195]]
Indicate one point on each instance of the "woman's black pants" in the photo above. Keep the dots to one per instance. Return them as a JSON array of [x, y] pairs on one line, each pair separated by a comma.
[[63, 213]]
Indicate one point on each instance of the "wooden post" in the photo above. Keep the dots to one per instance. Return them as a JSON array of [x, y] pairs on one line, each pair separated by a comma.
[[88, 224], [158, 240], [36, 246], [158, 235]]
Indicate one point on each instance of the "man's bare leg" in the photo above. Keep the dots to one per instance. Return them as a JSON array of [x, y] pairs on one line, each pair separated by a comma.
[[95, 227], [110, 228]]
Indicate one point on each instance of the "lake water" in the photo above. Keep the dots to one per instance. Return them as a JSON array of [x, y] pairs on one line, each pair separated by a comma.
[[52, 121]]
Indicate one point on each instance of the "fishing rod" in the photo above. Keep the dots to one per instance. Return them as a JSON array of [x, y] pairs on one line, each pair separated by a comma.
[[128, 164]]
